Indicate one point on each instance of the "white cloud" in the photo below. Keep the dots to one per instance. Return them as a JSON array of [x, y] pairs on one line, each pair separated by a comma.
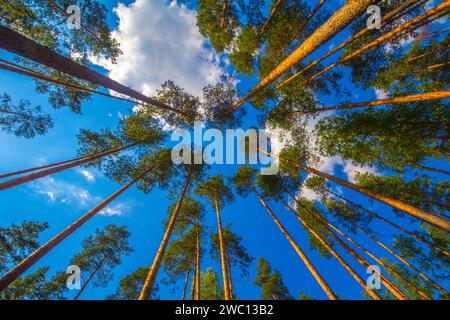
[[88, 175], [161, 42], [381, 94], [114, 210], [58, 191]]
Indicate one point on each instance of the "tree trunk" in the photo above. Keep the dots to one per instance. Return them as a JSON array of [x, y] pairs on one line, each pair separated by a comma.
[[387, 283], [380, 262], [397, 204], [197, 262], [29, 261], [323, 284], [90, 278], [406, 262], [230, 276], [387, 36], [16, 113], [346, 266], [373, 214], [76, 162], [151, 277], [272, 13], [186, 281], [303, 26], [16, 43], [224, 14], [226, 281], [389, 16], [418, 166], [403, 99], [340, 19]]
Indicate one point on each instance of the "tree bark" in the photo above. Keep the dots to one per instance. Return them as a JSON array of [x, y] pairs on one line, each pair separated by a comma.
[[340, 19], [33, 176], [387, 283], [418, 166], [224, 13], [397, 204], [323, 284], [397, 31], [272, 13], [226, 281], [373, 214], [186, 281], [403, 99], [29, 261], [197, 262], [16, 43], [151, 277], [389, 16], [89, 279], [346, 266], [16, 113]]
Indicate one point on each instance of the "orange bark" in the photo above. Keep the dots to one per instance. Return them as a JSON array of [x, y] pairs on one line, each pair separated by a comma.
[[90, 278], [153, 272], [29, 261]]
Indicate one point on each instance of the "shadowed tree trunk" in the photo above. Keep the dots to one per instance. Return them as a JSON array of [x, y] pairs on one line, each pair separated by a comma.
[[272, 13], [29, 261], [67, 165], [403, 99], [303, 25], [389, 16], [89, 279], [418, 166], [151, 277], [226, 281], [186, 280], [340, 19], [322, 283], [16, 43], [197, 262], [346, 266]]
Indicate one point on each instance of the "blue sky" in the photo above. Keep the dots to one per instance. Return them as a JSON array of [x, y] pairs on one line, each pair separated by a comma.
[[63, 197]]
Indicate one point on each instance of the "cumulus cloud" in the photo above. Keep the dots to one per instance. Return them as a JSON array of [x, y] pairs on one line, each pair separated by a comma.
[[160, 42], [113, 210], [88, 175]]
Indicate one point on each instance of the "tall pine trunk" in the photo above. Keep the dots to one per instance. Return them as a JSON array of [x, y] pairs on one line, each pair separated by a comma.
[[90, 278], [397, 204], [333, 252], [16, 43], [186, 280], [197, 262], [340, 19], [403, 99], [33, 176], [151, 277], [272, 13], [322, 283], [29, 261], [226, 281]]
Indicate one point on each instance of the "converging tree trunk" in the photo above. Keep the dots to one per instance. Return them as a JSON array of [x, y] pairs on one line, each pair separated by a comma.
[[272, 13], [151, 277], [226, 281], [29, 261], [346, 266], [340, 19], [186, 280], [322, 283], [66, 165], [90, 278], [197, 262], [16, 43]]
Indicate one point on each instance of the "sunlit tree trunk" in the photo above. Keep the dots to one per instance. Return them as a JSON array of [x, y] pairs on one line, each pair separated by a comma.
[[389, 35], [226, 281], [386, 18], [90, 278], [403, 99], [272, 13], [346, 266], [151, 277], [66, 165], [224, 14], [340, 19], [29, 261], [397, 293], [323, 284], [397, 204], [16, 43], [373, 214]]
